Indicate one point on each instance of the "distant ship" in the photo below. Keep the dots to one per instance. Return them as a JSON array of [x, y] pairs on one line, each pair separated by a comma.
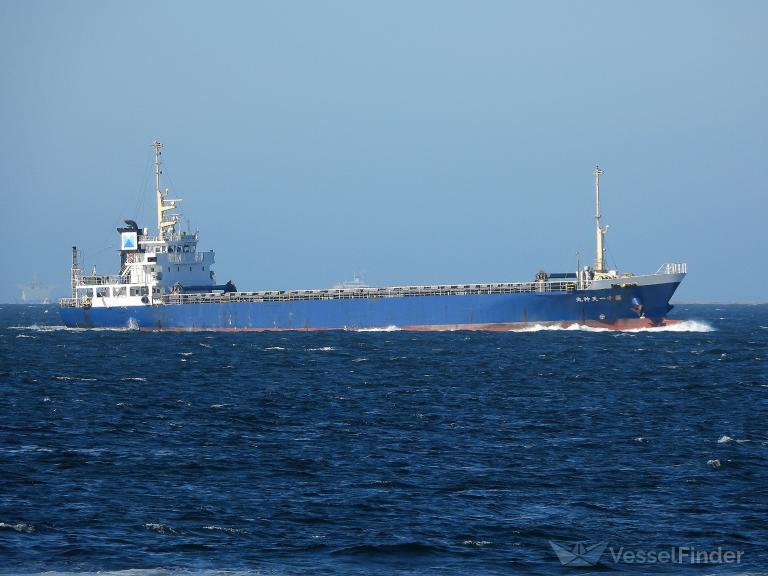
[[34, 292], [164, 283]]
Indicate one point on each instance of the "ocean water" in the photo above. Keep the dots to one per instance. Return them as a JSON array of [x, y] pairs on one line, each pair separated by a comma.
[[385, 452]]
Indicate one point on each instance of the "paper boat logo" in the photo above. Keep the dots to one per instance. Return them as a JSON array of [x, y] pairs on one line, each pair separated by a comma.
[[578, 553]]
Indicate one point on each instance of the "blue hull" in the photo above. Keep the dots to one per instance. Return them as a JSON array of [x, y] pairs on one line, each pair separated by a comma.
[[612, 308]]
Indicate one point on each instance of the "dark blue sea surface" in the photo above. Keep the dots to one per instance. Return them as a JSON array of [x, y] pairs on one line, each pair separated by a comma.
[[382, 452]]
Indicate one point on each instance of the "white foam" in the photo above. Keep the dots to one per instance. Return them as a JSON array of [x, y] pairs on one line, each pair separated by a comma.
[[58, 328], [384, 329], [556, 328], [684, 326], [727, 440], [225, 529], [478, 543], [323, 349], [160, 528], [21, 527]]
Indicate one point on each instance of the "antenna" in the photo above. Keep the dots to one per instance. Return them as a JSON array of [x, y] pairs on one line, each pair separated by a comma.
[[600, 232], [578, 271], [162, 204], [74, 273]]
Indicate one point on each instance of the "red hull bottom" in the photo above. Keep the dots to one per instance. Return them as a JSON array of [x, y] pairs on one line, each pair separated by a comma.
[[624, 324]]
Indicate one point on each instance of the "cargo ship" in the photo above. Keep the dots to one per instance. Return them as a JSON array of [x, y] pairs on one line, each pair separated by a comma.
[[165, 283]]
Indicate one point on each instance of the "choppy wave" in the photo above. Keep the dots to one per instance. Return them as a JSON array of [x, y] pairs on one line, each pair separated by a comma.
[[286, 461], [20, 527], [160, 528], [147, 572], [226, 529]]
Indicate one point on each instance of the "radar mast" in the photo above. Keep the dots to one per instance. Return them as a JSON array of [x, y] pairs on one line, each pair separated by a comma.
[[600, 232], [163, 204]]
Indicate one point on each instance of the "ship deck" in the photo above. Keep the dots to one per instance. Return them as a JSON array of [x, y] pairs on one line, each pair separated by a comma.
[[356, 293], [353, 293]]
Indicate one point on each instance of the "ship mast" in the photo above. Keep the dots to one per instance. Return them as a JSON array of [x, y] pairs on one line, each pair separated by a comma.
[[162, 204], [600, 232]]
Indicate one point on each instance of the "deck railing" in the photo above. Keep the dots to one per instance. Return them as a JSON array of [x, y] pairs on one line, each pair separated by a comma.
[[673, 268], [352, 293], [368, 293], [100, 280]]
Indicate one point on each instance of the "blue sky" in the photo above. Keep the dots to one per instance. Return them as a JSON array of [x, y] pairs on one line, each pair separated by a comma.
[[411, 142]]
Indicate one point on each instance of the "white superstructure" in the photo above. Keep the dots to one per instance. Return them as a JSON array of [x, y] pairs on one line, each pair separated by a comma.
[[150, 265]]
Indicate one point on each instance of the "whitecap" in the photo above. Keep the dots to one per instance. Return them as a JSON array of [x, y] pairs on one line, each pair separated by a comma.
[[185, 353], [20, 527], [134, 379], [727, 440], [274, 348], [160, 528], [226, 529], [323, 349]]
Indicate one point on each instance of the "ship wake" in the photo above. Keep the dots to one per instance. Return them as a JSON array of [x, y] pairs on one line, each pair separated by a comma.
[[56, 328]]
